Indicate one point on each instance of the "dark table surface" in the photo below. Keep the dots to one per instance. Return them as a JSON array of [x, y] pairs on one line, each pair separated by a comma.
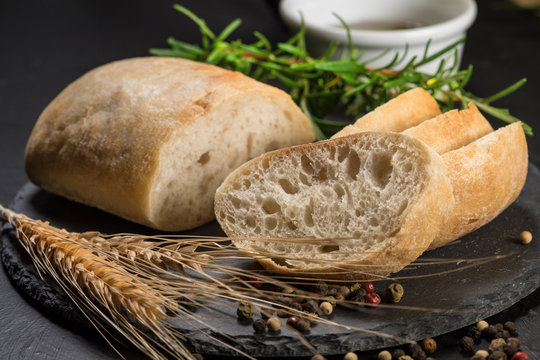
[[47, 44]]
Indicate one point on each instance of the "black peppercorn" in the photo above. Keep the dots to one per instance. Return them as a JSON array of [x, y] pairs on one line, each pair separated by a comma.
[[474, 333], [292, 320], [267, 313], [511, 348], [497, 355], [466, 343], [358, 295], [499, 326], [490, 332], [397, 354], [259, 326], [417, 352], [282, 313], [310, 306], [502, 334], [302, 325], [322, 288], [511, 327]]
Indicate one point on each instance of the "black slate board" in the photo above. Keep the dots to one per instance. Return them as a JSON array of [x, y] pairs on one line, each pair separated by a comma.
[[462, 297]]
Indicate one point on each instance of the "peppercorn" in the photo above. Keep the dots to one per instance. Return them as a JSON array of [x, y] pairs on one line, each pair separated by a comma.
[[369, 287], [466, 343], [344, 290], [520, 356], [384, 355], [497, 345], [331, 291], [511, 327], [285, 300], [245, 310], [478, 357], [302, 324], [339, 296], [292, 320], [482, 354], [267, 312], [310, 306], [373, 298], [273, 324], [318, 357], [331, 300], [525, 237], [358, 295], [429, 345], [397, 354], [513, 341], [502, 334], [322, 288], [394, 292], [259, 326], [490, 332], [499, 326], [296, 306], [497, 355], [287, 290], [355, 287], [350, 356], [326, 308], [417, 352], [475, 333], [283, 313], [482, 325], [405, 357], [511, 347]]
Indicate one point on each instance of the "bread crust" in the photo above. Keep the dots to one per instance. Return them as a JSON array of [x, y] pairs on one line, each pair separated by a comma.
[[400, 113], [99, 141], [487, 176], [416, 233]]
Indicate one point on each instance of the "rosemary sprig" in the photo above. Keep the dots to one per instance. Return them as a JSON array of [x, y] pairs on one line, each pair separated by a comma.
[[323, 85]]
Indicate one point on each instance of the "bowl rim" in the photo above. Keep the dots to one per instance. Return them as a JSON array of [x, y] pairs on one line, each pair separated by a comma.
[[384, 38]]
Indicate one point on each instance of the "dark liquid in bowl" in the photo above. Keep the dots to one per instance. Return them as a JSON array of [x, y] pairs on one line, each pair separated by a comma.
[[384, 25]]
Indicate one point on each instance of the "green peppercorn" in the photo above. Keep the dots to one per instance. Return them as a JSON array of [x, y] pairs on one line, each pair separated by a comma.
[[355, 287], [466, 343], [259, 326], [326, 308], [405, 357], [497, 345], [429, 345], [384, 355], [394, 292], [245, 310], [273, 324]]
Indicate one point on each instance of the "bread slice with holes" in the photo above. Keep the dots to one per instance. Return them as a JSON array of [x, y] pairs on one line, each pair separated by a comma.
[[150, 139], [377, 197]]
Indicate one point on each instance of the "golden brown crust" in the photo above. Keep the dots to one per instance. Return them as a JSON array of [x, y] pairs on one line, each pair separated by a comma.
[[98, 142], [487, 176], [402, 112]]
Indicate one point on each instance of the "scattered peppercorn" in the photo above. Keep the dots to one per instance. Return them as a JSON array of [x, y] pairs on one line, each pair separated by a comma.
[[482, 354], [499, 326], [310, 306], [417, 352], [475, 333], [520, 356], [511, 327], [283, 313], [273, 324], [322, 288], [394, 292], [344, 290], [466, 343], [331, 300], [318, 357], [429, 345], [326, 308], [384, 355], [245, 310], [482, 325], [259, 326], [397, 354], [267, 312], [302, 324], [497, 345], [373, 298], [490, 332], [350, 356], [502, 334], [358, 295], [497, 355], [511, 347], [287, 290], [339, 296], [296, 306], [369, 287], [525, 237], [292, 320], [405, 357], [478, 357], [355, 287]]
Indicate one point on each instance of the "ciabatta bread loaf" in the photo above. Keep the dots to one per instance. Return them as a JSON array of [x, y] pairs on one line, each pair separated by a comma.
[[378, 196], [400, 113], [150, 139]]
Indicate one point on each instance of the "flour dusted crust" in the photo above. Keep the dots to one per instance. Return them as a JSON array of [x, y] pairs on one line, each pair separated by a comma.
[[150, 139], [377, 197]]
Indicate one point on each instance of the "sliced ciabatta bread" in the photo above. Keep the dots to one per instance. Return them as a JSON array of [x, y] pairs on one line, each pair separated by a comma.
[[379, 197], [400, 113], [150, 139], [487, 176]]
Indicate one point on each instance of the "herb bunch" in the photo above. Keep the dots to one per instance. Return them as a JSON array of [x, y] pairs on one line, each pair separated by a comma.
[[322, 86]]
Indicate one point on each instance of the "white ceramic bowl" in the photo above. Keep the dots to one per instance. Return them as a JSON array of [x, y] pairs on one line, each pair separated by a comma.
[[377, 25]]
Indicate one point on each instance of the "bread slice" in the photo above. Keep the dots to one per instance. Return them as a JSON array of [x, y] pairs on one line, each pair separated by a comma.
[[451, 130], [400, 113], [150, 139], [487, 176], [377, 197]]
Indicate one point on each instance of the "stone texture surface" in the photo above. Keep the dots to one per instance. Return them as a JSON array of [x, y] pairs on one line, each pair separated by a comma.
[[496, 271]]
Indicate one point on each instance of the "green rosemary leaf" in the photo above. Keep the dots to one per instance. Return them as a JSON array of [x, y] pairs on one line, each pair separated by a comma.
[[341, 66], [264, 40], [180, 45], [173, 53], [293, 50], [350, 46], [229, 30], [205, 30], [506, 91], [439, 53]]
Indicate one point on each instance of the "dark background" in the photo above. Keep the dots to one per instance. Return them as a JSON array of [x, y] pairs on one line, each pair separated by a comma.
[[47, 44]]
